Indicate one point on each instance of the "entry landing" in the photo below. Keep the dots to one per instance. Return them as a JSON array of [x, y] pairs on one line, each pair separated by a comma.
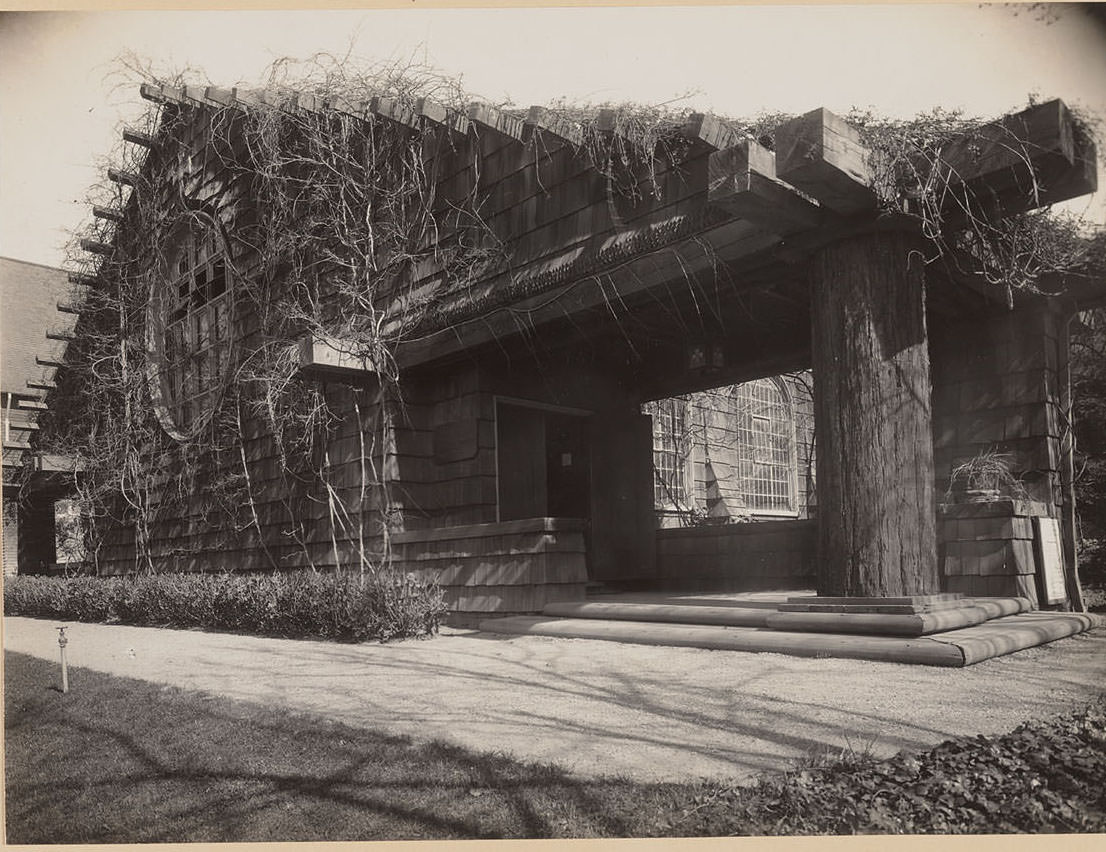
[[938, 630]]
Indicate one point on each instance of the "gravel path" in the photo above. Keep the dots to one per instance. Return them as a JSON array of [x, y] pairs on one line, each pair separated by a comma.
[[594, 707]]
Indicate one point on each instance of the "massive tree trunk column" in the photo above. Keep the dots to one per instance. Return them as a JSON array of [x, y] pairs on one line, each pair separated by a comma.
[[876, 509]]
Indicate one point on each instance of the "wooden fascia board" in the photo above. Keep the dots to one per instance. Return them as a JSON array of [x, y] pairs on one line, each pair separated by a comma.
[[549, 125], [599, 289], [483, 115]]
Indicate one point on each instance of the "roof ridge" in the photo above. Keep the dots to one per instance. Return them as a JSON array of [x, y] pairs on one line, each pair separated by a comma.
[[32, 263]]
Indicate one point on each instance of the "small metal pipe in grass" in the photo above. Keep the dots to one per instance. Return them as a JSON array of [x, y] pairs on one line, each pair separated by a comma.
[[62, 642]]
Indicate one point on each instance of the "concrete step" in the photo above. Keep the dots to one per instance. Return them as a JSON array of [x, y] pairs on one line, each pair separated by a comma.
[[677, 611], [956, 648], [670, 613]]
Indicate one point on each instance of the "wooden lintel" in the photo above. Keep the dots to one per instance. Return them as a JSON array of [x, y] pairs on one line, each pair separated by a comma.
[[68, 308], [742, 181], [334, 358], [553, 125], [122, 177], [136, 137], [95, 246], [84, 279], [709, 131], [1036, 157], [485, 115], [42, 385], [111, 214], [32, 404], [46, 362], [22, 426], [65, 336], [821, 154]]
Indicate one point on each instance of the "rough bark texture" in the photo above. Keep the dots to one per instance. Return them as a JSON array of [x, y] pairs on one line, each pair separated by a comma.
[[872, 411]]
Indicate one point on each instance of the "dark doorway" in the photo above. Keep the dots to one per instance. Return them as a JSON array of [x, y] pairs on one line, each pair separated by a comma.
[[568, 466], [544, 463]]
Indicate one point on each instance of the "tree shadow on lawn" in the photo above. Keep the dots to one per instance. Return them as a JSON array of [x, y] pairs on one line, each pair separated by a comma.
[[118, 760], [532, 695]]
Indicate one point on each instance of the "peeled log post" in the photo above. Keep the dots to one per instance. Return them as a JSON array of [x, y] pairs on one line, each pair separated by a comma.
[[877, 530]]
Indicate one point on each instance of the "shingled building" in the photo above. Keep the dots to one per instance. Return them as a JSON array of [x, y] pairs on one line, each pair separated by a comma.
[[369, 328]]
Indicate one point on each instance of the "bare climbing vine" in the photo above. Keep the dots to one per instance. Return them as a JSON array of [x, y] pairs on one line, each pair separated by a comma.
[[328, 221]]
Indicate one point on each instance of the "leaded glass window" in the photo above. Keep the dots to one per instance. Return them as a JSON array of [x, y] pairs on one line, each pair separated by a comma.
[[192, 334]]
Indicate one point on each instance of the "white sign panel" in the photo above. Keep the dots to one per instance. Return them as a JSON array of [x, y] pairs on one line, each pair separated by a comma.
[[1051, 564]]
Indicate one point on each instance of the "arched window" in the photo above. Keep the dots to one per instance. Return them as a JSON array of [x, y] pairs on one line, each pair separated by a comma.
[[190, 331], [766, 446]]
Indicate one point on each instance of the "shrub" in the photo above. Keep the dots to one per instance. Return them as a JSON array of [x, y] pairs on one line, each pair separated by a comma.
[[387, 605]]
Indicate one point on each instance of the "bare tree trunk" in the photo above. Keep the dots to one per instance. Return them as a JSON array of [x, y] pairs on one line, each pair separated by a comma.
[[877, 524]]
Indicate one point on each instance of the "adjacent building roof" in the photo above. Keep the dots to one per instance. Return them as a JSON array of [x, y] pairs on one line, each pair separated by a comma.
[[29, 295]]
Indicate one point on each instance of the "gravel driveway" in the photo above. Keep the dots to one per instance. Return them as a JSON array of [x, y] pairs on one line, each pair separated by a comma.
[[600, 708]]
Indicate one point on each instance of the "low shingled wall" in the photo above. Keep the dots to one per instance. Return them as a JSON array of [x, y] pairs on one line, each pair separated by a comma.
[[507, 567], [738, 557]]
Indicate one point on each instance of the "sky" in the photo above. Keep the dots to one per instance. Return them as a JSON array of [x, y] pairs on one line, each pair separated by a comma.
[[63, 102]]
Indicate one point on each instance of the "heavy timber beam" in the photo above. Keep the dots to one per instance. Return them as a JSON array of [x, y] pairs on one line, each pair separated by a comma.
[[137, 138], [709, 131], [1035, 157], [122, 177], [84, 279], [823, 156], [741, 180], [877, 536], [109, 213], [95, 246]]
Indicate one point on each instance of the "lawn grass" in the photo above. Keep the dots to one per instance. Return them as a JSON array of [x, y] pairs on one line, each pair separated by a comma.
[[120, 760]]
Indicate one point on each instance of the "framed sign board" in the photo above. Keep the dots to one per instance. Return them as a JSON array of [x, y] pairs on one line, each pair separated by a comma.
[[1050, 560]]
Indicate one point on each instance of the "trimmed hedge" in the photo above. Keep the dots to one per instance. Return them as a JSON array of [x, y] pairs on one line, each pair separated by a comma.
[[388, 605]]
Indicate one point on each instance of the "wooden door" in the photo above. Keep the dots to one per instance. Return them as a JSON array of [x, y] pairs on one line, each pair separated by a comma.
[[522, 462]]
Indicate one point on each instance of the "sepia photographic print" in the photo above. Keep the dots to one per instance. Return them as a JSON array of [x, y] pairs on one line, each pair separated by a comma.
[[556, 422]]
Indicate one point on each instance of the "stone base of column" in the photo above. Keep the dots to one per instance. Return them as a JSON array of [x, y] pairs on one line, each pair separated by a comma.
[[915, 615], [906, 605]]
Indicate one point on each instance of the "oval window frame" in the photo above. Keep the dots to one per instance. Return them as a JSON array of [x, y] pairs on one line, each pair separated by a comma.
[[198, 244]]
